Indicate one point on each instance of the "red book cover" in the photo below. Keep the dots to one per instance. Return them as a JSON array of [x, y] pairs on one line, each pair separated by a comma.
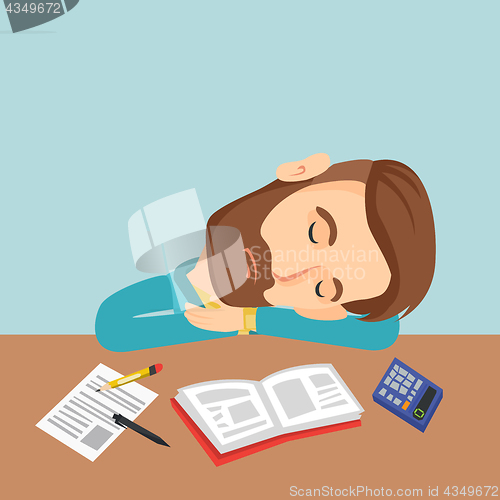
[[224, 458]]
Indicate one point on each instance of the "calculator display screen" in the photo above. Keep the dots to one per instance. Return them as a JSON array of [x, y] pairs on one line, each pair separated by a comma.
[[424, 403]]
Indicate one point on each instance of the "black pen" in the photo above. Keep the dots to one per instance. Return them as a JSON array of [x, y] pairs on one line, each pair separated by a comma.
[[125, 422]]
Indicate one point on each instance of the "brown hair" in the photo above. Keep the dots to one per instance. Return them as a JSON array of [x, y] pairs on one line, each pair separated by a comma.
[[400, 218]]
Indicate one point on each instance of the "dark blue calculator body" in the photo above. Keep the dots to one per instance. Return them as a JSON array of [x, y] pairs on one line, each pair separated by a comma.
[[408, 395]]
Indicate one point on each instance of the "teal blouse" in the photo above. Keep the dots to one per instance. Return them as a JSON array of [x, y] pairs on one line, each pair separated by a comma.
[[121, 325]]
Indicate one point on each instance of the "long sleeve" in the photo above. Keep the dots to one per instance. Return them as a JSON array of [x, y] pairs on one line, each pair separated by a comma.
[[117, 328], [348, 332]]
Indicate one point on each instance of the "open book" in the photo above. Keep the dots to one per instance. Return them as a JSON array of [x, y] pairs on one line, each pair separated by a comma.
[[234, 418]]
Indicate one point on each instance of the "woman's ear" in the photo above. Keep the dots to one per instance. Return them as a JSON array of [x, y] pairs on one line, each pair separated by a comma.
[[302, 170], [330, 314]]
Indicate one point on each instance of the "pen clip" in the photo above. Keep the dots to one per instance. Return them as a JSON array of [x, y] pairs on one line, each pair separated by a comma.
[[116, 418]]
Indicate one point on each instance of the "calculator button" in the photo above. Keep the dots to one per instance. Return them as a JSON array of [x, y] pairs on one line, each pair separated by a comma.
[[389, 397], [410, 398], [403, 390], [414, 393], [382, 392], [403, 372], [397, 401], [418, 384], [405, 406], [407, 383], [396, 367], [411, 378], [419, 413], [394, 386], [393, 374], [387, 380], [399, 378]]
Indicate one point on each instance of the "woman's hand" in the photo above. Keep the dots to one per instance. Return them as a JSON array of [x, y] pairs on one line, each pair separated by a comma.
[[223, 319]]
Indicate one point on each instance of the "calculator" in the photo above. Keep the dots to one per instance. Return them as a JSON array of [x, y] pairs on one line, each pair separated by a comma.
[[408, 394]]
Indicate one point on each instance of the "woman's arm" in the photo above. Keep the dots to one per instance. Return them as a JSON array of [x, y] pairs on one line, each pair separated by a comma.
[[117, 329], [280, 322], [348, 332]]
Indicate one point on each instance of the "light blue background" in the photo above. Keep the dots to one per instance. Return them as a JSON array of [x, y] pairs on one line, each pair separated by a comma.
[[119, 103]]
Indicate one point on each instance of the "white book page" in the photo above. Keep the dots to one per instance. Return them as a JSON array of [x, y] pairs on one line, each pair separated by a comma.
[[310, 394], [83, 419], [229, 410]]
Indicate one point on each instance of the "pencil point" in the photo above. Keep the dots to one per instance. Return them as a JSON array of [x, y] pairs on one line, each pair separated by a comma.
[[98, 390]]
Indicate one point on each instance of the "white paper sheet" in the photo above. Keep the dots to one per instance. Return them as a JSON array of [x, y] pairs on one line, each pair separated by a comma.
[[83, 419]]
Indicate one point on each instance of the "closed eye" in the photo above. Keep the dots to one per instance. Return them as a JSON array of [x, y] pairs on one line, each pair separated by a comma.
[[317, 289], [311, 233]]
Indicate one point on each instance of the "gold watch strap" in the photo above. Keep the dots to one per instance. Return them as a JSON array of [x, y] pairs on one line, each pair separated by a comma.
[[249, 320]]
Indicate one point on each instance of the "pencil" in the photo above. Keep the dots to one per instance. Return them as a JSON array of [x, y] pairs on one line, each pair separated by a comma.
[[147, 372]]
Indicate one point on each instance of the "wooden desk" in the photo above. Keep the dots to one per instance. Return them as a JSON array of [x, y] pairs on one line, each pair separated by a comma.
[[459, 448]]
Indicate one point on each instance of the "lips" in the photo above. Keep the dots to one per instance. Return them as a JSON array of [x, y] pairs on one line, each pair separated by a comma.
[[291, 277]]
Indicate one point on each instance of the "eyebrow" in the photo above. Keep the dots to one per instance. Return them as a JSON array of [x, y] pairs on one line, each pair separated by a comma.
[[339, 289], [331, 224]]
